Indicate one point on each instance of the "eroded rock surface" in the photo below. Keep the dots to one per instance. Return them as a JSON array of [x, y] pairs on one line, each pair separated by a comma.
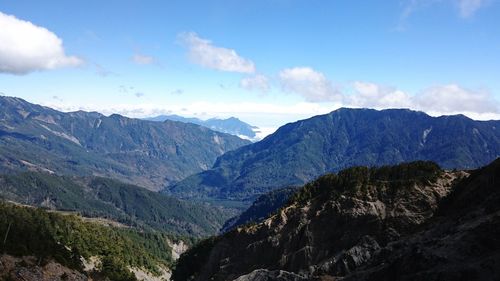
[[407, 222]]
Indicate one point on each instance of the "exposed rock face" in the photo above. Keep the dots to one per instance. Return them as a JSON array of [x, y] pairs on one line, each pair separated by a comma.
[[142, 275], [27, 269], [178, 248], [376, 224], [266, 275], [461, 242], [261, 208]]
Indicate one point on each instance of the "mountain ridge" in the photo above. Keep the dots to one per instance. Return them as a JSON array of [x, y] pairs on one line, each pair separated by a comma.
[[145, 153], [300, 151]]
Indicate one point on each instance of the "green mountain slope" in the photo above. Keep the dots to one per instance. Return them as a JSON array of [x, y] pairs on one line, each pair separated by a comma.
[[66, 239], [146, 153], [108, 198], [300, 151]]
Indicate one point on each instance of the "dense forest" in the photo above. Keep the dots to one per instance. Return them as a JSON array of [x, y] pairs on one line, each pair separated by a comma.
[[108, 198]]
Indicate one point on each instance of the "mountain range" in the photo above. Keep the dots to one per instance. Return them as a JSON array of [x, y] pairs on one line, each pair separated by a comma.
[[413, 221], [232, 125], [358, 221], [299, 152], [145, 153]]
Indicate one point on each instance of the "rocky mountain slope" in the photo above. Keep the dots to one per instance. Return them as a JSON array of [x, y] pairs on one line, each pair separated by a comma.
[[299, 152], [261, 208], [145, 153], [111, 199], [232, 125], [388, 223]]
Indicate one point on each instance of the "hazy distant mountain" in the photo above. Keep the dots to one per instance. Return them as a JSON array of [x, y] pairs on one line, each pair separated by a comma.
[[301, 151], [232, 125], [149, 154]]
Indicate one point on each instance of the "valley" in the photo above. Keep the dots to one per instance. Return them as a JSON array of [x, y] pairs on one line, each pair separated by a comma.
[[326, 197], [250, 140]]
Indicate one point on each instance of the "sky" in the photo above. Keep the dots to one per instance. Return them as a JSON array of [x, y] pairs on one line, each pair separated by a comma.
[[267, 62]]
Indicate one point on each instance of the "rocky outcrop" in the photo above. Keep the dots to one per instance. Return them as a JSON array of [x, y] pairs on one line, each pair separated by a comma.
[[266, 275], [461, 242], [28, 269], [261, 208], [407, 222], [332, 226]]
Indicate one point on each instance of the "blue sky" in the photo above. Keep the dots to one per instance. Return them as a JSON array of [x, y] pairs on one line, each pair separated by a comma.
[[267, 62]]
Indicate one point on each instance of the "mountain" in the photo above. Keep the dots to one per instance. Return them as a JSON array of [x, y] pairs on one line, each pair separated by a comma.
[[232, 125], [145, 153], [413, 221], [298, 152], [111, 199], [40, 246]]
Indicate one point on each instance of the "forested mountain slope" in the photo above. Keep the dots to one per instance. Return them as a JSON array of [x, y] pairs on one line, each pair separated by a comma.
[[300, 151], [146, 153], [108, 198]]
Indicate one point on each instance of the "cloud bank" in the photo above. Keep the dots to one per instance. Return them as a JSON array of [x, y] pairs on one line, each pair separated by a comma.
[[25, 47], [314, 86], [437, 100]]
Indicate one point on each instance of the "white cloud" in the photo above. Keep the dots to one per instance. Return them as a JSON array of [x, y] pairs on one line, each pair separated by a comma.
[[266, 116], [25, 47], [204, 53], [467, 8], [376, 96], [455, 99], [437, 100], [309, 83], [257, 82], [143, 59]]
